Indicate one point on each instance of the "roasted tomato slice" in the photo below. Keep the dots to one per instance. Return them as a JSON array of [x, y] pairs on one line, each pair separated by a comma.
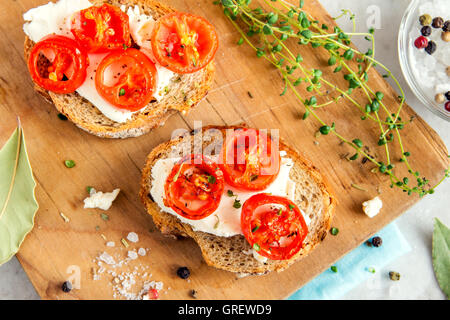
[[126, 79], [250, 160], [194, 187], [101, 28], [184, 43], [273, 225], [58, 64]]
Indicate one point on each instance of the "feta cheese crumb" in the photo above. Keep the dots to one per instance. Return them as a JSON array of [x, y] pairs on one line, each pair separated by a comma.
[[133, 237], [100, 200], [372, 207]]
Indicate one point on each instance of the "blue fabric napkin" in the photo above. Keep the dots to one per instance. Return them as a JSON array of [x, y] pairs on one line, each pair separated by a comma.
[[353, 268]]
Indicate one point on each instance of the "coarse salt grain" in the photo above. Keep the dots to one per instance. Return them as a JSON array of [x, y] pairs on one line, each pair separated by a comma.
[[106, 258], [125, 283], [111, 244], [133, 237], [132, 255]]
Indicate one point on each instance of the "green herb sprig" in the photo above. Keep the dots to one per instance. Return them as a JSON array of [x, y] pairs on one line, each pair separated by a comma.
[[266, 32]]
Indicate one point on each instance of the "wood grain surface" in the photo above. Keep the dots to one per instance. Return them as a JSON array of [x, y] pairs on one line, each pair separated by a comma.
[[54, 245]]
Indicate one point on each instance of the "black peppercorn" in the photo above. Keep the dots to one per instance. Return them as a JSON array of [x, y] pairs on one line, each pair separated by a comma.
[[67, 286], [183, 272], [377, 242], [426, 31], [447, 95], [446, 26], [438, 23], [431, 48]]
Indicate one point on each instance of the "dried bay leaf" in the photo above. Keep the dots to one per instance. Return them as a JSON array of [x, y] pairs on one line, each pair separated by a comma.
[[441, 255], [18, 203]]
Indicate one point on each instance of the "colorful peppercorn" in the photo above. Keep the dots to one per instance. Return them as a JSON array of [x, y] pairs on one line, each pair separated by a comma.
[[66, 286], [421, 42], [431, 47], [440, 98], [447, 95], [445, 36], [377, 242], [425, 19], [438, 23], [446, 27], [447, 106], [183, 272], [394, 276], [448, 71], [426, 31]]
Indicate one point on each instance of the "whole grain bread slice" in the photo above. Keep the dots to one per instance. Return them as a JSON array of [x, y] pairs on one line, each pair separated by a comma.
[[184, 92], [313, 195]]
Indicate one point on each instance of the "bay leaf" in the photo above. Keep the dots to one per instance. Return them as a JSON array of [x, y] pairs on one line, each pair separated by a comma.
[[18, 203], [441, 255]]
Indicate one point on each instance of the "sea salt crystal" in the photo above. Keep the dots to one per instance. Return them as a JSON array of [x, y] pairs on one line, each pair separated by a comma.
[[106, 258], [132, 255], [133, 237], [111, 244], [142, 252]]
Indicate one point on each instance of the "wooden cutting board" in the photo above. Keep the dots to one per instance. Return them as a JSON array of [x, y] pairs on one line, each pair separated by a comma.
[[54, 245]]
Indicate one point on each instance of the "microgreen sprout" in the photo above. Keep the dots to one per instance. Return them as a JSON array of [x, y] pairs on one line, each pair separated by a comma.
[[266, 31]]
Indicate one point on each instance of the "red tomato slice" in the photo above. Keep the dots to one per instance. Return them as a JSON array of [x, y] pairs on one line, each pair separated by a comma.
[[273, 225], [126, 79], [58, 64], [101, 28], [184, 43], [249, 159], [194, 187]]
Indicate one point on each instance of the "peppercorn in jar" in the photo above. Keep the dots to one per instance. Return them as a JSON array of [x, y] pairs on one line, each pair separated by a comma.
[[429, 50]]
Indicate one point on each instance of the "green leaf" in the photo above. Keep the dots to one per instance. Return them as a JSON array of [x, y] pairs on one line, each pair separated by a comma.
[[441, 255], [18, 203]]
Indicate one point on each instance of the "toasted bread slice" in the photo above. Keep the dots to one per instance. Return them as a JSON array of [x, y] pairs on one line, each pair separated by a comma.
[[312, 195], [184, 93]]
